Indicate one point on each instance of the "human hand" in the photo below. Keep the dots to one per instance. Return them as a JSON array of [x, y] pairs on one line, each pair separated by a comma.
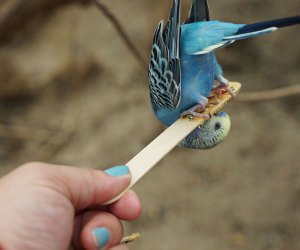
[[49, 207]]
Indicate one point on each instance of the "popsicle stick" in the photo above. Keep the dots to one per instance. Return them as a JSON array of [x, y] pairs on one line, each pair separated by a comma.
[[167, 140]]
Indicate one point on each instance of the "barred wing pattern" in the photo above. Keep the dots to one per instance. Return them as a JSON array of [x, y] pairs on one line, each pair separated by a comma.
[[164, 67]]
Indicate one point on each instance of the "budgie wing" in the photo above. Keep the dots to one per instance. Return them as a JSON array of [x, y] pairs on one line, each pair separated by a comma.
[[199, 12], [164, 67]]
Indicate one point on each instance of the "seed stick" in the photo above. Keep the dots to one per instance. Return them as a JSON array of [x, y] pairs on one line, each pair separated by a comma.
[[167, 140]]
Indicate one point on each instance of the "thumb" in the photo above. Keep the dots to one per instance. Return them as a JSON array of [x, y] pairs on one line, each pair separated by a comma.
[[90, 187]]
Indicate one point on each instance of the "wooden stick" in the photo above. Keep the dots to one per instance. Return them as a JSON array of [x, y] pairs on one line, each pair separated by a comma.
[[167, 140]]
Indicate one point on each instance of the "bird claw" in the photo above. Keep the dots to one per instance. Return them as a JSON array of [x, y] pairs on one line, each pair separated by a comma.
[[222, 88], [196, 112], [229, 91], [193, 114]]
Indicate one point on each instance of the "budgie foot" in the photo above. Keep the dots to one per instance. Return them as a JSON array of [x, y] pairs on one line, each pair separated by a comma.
[[223, 85], [197, 109]]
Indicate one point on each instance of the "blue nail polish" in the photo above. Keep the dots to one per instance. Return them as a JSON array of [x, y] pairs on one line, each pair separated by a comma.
[[101, 236], [117, 171]]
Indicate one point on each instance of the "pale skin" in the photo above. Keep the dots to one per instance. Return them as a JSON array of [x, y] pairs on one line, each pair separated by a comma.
[[46, 207]]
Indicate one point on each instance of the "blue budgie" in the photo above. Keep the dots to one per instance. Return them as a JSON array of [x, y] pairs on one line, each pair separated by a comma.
[[183, 67]]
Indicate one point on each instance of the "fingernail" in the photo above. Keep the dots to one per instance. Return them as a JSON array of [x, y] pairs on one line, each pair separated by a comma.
[[101, 236], [118, 171]]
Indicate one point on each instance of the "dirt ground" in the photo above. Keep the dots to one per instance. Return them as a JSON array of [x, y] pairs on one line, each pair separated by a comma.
[[71, 93]]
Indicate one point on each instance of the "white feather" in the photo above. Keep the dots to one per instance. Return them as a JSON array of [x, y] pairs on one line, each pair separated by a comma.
[[212, 48], [250, 34]]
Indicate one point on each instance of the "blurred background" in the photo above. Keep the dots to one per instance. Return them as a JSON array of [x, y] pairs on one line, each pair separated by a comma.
[[71, 92]]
